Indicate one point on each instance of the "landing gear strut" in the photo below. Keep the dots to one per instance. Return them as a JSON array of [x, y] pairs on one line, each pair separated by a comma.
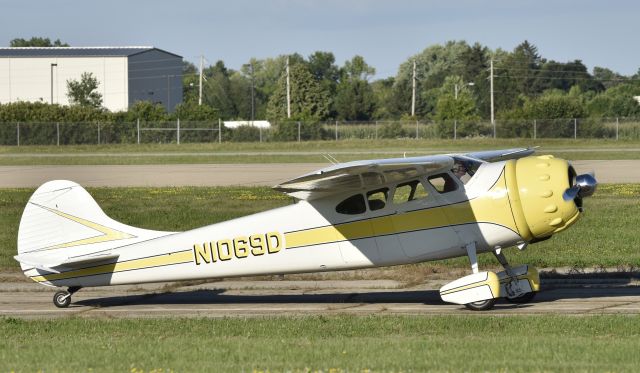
[[520, 284], [62, 299], [481, 305]]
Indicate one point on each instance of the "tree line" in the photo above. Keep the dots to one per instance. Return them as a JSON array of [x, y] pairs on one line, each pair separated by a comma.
[[452, 83]]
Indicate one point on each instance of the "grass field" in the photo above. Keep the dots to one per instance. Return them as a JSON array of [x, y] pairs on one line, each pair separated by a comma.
[[288, 152], [325, 344], [605, 236]]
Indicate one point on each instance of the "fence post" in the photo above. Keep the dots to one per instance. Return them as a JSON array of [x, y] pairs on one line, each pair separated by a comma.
[[58, 133], [298, 131], [260, 129], [336, 130], [455, 129], [494, 129], [219, 131], [617, 127], [535, 129], [98, 133], [417, 134], [138, 128], [376, 130], [575, 128], [178, 131], [18, 133]]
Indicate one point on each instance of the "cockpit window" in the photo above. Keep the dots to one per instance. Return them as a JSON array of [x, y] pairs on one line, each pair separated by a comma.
[[410, 191], [353, 205], [377, 198], [465, 168], [443, 183]]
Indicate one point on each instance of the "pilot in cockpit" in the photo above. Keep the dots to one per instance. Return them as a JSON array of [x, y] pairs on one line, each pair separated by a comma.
[[460, 170]]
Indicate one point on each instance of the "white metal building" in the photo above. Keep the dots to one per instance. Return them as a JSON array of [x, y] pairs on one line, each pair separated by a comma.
[[125, 74]]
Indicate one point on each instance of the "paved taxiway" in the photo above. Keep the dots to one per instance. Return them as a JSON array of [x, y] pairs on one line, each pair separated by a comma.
[[268, 174], [272, 298]]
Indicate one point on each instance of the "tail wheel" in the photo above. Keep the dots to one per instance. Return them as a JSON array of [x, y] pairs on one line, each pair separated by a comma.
[[482, 305], [524, 298], [62, 299]]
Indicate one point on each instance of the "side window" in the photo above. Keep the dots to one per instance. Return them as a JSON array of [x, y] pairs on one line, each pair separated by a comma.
[[377, 198], [353, 205], [410, 191], [443, 183]]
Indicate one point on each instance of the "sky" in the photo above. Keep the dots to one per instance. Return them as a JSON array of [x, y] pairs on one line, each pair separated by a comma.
[[385, 33]]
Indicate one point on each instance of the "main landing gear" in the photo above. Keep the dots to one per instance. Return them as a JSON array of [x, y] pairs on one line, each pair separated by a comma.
[[62, 299], [480, 290]]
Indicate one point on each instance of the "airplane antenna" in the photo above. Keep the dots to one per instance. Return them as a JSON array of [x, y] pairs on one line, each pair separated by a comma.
[[334, 158], [326, 156]]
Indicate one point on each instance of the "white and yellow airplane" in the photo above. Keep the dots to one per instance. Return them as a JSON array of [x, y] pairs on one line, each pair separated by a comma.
[[350, 215]]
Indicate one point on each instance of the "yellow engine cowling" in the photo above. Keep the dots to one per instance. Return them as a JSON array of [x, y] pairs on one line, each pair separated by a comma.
[[536, 186]]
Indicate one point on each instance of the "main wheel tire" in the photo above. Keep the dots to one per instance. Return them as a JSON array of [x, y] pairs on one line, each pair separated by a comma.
[[62, 299], [482, 305], [524, 298]]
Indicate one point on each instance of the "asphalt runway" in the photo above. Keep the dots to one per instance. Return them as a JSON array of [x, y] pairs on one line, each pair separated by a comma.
[[279, 298], [268, 174]]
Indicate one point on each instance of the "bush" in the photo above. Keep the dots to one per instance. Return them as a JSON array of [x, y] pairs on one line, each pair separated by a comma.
[[392, 130], [244, 134], [288, 131]]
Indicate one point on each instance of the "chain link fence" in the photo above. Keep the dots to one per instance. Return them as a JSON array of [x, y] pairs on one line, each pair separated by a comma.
[[177, 132]]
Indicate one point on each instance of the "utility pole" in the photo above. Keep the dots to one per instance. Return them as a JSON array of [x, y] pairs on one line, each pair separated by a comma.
[[288, 92], [200, 84], [413, 91], [252, 93], [493, 121]]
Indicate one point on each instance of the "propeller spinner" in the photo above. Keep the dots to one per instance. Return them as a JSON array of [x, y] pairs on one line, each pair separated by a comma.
[[584, 186]]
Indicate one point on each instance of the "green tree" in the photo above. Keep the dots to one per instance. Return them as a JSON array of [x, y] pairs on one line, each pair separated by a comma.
[[607, 77], [36, 42], [217, 90], [146, 111], [383, 93], [461, 109], [190, 81], [190, 110], [83, 92], [355, 99], [433, 65], [617, 101], [308, 101]]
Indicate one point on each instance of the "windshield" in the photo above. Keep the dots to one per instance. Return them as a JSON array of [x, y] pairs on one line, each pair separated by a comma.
[[464, 168]]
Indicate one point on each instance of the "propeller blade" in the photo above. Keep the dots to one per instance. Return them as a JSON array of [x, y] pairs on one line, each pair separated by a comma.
[[571, 193]]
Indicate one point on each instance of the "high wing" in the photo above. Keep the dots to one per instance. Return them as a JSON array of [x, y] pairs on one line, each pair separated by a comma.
[[353, 176], [501, 155]]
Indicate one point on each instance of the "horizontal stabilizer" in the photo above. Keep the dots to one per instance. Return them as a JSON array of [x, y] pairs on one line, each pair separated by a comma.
[[51, 264]]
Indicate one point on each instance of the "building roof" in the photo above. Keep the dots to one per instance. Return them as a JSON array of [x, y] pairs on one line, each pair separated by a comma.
[[77, 51]]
